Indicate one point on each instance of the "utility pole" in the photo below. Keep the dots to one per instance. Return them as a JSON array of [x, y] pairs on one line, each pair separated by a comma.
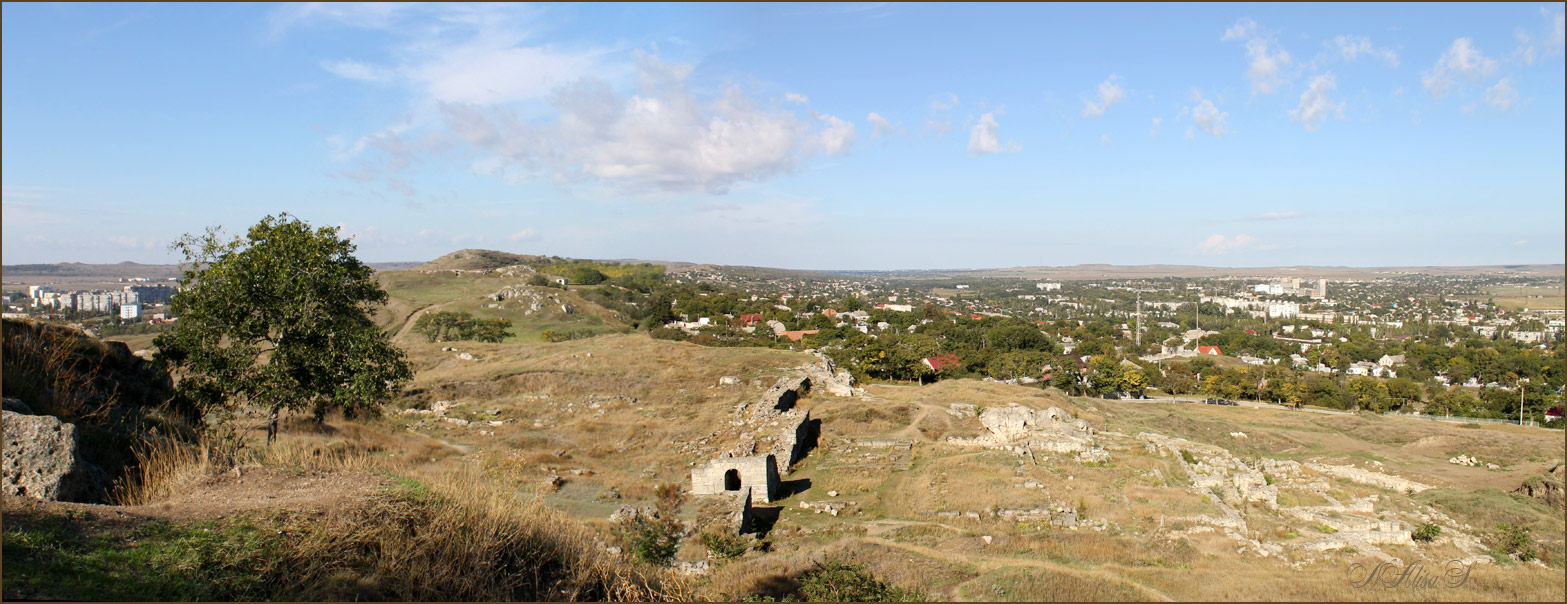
[[1521, 382], [1139, 338]]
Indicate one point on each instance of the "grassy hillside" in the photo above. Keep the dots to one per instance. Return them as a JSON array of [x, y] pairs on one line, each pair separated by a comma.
[[531, 309]]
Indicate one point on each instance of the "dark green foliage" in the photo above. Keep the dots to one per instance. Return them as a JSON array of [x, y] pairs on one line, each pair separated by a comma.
[[655, 541], [448, 326], [842, 581], [1426, 532], [724, 545], [1515, 540], [280, 319]]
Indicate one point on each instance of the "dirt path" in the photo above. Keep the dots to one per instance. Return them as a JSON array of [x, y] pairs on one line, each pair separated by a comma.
[[408, 323], [988, 563]]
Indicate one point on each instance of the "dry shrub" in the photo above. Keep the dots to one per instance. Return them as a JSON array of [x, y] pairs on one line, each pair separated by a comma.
[[455, 539], [163, 467], [54, 370]]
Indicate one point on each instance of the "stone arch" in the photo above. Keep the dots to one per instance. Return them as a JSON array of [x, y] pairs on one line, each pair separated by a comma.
[[732, 480]]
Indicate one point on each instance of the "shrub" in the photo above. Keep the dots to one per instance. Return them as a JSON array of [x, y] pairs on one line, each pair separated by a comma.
[[653, 543], [841, 581], [724, 545], [1188, 457], [1426, 532], [1515, 540]]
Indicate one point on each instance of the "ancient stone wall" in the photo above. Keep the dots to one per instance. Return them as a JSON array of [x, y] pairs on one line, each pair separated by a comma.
[[758, 471]]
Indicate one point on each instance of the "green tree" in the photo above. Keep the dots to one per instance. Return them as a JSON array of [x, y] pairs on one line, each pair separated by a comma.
[[280, 319]]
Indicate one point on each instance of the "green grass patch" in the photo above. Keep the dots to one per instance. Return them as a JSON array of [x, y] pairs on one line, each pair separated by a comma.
[[51, 556]]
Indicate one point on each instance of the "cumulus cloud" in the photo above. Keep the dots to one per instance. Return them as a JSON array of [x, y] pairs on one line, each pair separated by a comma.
[[1315, 105], [1276, 215], [1352, 47], [837, 136], [1267, 58], [1502, 96], [1521, 242], [1208, 118], [944, 102], [1460, 59], [983, 140], [1219, 244], [661, 137], [796, 98], [879, 125], [1533, 47], [1110, 93]]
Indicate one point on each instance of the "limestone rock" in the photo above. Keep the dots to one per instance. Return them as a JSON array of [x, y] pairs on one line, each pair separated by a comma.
[[43, 461]]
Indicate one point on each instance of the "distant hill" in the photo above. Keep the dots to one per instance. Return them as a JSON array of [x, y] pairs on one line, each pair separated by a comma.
[[76, 272], [476, 260]]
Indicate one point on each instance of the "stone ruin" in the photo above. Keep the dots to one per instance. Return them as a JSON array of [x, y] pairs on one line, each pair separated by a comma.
[[826, 375], [758, 473], [1024, 430]]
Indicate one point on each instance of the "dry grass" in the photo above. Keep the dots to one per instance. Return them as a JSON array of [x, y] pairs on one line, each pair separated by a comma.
[[163, 467], [454, 539]]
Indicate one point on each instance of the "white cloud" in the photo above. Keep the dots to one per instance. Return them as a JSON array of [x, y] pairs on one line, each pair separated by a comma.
[[944, 102], [1547, 45], [1276, 215], [524, 235], [1110, 93], [1315, 105], [1351, 47], [1155, 130], [879, 125], [983, 140], [1267, 59], [796, 98], [1502, 96], [355, 70], [1208, 118], [1219, 244], [937, 128], [1460, 59], [1104, 140], [662, 137], [838, 136]]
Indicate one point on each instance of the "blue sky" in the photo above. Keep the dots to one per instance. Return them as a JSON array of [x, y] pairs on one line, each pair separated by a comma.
[[834, 137]]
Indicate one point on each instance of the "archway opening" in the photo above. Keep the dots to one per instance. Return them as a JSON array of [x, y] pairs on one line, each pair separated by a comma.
[[732, 480]]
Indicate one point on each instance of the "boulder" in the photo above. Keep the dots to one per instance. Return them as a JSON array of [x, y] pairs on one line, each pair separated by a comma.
[[43, 461], [15, 405]]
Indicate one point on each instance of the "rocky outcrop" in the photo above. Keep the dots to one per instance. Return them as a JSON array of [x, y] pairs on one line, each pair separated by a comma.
[[825, 375], [1547, 488], [1036, 430], [1370, 478], [43, 460]]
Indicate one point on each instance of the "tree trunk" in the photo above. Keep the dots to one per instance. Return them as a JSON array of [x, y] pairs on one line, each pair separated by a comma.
[[271, 426]]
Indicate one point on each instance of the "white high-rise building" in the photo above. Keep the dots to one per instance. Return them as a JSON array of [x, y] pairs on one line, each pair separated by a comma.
[[130, 311]]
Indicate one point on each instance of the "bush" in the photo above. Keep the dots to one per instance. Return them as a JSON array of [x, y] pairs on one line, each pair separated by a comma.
[[1426, 532], [1515, 540], [841, 581], [1188, 457], [724, 545], [652, 542]]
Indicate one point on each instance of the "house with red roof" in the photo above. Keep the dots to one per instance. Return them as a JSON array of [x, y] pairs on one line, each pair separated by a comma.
[[1213, 350], [942, 361], [751, 318]]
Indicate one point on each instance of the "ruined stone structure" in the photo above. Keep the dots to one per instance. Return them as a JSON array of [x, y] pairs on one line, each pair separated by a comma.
[[742, 519], [734, 474], [1022, 429]]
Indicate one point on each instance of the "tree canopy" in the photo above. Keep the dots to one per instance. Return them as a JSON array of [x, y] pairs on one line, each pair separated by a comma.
[[280, 319]]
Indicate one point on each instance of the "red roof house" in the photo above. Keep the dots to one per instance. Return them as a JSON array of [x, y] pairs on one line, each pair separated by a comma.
[[942, 361], [751, 318], [1251, 332], [1213, 350]]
